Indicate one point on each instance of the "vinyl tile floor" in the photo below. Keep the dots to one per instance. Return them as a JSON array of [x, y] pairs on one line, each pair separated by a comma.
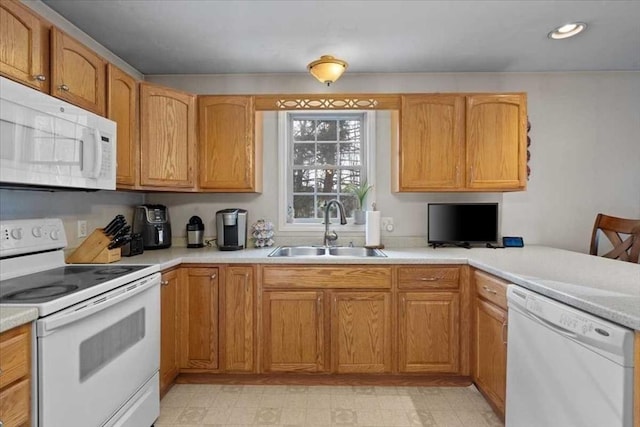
[[207, 405]]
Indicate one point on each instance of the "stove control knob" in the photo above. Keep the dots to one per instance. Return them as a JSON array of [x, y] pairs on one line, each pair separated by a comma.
[[37, 232], [16, 233], [55, 234]]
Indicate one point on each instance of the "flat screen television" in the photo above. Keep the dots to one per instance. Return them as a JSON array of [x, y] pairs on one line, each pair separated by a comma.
[[462, 223]]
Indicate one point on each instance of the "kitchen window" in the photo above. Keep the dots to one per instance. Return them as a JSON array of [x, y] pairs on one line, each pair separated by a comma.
[[323, 154]]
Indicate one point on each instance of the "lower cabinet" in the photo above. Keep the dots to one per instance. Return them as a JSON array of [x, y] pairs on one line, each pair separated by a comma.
[[239, 319], [168, 329], [490, 339], [199, 319], [429, 332], [361, 332], [293, 331], [15, 377]]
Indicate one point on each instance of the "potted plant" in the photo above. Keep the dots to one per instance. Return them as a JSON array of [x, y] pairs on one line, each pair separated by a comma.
[[360, 191]]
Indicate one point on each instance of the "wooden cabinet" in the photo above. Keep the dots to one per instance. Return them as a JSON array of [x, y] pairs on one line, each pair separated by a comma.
[[461, 142], [24, 45], [230, 144], [198, 315], [293, 331], [431, 155], [430, 319], [239, 323], [167, 138], [361, 332], [490, 339], [168, 329], [496, 141], [78, 75], [15, 377], [122, 107], [355, 335]]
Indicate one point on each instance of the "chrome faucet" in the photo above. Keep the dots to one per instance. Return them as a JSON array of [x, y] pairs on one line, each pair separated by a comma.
[[332, 236]]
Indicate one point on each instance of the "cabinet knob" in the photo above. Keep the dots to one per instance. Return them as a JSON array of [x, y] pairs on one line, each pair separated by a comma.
[[164, 282], [64, 88], [40, 77], [488, 289]]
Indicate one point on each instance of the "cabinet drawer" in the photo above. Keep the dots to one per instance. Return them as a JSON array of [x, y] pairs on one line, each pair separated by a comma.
[[428, 277], [491, 288], [14, 404], [327, 277], [14, 354]]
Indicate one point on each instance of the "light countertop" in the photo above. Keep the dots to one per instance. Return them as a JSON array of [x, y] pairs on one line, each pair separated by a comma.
[[606, 288]]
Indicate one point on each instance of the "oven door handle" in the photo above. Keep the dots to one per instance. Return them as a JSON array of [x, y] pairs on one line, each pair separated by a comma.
[[49, 325]]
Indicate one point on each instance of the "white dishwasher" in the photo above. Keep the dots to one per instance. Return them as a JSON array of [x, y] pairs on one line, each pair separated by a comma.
[[565, 368]]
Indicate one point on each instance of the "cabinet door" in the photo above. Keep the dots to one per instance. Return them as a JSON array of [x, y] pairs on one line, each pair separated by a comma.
[[238, 318], [78, 75], [497, 141], [490, 370], [23, 46], [199, 319], [431, 154], [167, 137], [293, 333], [429, 336], [122, 107], [361, 332], [229, 149], [168, 329]]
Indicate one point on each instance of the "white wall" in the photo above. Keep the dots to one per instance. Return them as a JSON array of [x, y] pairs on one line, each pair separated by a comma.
[[585, 153]]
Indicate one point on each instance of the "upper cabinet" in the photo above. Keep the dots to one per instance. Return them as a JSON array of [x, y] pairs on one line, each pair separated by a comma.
[[24, 46], [167, 138], [122, 107], [497, 141], [78, 74], [461, 142], [230, 144]]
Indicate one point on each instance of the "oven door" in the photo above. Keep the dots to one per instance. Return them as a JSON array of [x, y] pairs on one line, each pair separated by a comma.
[[95, 356]]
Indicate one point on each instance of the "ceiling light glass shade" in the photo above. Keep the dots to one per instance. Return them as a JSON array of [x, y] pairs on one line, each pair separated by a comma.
[[567, 30], [327, 69]]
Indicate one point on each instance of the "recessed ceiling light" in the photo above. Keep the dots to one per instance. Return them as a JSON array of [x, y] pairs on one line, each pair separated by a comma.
[[567, 30]]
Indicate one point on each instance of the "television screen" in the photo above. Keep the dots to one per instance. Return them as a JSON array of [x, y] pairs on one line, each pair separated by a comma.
[[462, 223]]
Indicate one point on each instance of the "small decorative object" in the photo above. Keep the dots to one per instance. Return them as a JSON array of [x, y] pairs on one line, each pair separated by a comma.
[[262, 233], [360, 191]]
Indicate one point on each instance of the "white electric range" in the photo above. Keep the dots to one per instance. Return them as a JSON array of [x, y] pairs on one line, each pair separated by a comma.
[[97, 337]]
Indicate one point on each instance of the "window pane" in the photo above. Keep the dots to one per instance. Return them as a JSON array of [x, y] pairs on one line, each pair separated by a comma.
[[326, 153], [350, 154], [350, 130], [303, 181], [303, 153], [327, 130], [303, 206], [326, 181], [303, 130], [349, 177]]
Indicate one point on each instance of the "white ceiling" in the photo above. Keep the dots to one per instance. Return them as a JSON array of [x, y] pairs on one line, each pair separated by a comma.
[[260, 36]]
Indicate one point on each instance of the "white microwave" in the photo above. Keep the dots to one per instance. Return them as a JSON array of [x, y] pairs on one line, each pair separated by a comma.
[[47, 142]]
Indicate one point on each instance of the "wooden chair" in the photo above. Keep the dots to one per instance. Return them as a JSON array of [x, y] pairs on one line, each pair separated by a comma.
[[624, 235]]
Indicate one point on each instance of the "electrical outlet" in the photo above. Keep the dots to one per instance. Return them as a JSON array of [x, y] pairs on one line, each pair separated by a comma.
[[386, 224], [82, 228]]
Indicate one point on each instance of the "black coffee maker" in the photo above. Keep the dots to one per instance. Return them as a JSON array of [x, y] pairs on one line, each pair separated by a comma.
[[231, 225]]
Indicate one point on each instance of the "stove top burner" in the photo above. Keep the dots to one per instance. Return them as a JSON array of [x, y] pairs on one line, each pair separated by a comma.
[[40, 292]]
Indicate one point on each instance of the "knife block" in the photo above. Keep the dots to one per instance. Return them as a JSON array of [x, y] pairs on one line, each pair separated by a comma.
[[94, 250]]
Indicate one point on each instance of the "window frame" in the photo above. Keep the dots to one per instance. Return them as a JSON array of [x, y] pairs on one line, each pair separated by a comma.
[[285, 168]]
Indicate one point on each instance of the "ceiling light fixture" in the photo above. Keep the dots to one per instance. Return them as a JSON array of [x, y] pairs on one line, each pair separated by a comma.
[[567, 30], [327, 69]]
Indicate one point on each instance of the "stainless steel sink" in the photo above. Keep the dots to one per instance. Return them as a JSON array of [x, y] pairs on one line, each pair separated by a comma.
[[355, 251], [315, 251], [293, 251]]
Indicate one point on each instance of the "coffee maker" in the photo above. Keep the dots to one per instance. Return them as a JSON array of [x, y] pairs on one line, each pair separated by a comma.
[[152, 221], [232, 229]]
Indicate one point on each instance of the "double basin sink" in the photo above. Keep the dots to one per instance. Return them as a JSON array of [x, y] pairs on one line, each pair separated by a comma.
[[319, 251]]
